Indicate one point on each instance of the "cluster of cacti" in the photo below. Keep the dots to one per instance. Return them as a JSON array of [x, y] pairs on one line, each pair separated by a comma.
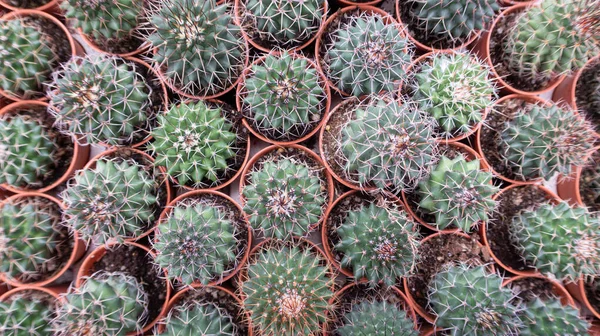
[[378, 243], [284, 97], [455, 89], [376, 318], [550, 317], [196, 243], [28, 151], [286, 291], [367, 55], [115, 200], [195, 318], [559, 240], [196, 46], [388, 143], [194, 142], [106, 304], [458, 193], [25, 315]]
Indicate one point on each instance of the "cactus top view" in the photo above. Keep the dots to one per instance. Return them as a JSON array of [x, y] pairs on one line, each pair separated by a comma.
[[550, 317], [195, 318], [376, 318], [27, 313]]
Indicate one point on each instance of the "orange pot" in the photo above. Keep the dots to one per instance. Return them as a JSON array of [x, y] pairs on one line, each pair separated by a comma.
[[54, 292], [557, 288], [568, 187], [577, 289], [344, 3], [89, 41]]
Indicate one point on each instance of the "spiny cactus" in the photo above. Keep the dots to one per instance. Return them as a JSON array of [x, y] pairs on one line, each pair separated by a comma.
[[388, 143], [287, 291], [455, 89], [106, 304], [367, 56], [550, 317], [25, 315], [458, 193], [376, 318], [378, 243], [113, 201], [199, 319], [101, 98], [194, 143], [471, 301], [283, 198], [284, 97], [28, 151], [198, 49], [27, 56], [559, 240]]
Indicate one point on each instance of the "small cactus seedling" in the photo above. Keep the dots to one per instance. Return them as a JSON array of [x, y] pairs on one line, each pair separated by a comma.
[[376, 318], [550, 317], [26, 315], [199, 319]]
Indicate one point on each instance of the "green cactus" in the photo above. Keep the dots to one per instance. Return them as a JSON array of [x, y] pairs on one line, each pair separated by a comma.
[[550, 317], [197, 47], [284, 197], [367, 56], [114, 201], [559, 240], [378, 243], [28, 151], [388, 143], [199, 319], [458, 193], [194, 143], [287, 291], [376, 318], [109, 304], [25, 314], [101, 98], [469, 301], [284, 97], [455, 89]]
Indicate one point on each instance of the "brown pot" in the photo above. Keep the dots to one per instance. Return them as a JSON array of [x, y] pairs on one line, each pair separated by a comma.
[[78, 251], [54, 292], [89, 41], [568, 187], [3, 288], [199, 193], [96, 255], [240, 105], [577, 290], [51, 7], [557, 288], [345, 3]]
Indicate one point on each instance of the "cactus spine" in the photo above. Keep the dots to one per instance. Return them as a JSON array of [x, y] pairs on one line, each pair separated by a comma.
[[377, 317], [26, 315], [550, 317]]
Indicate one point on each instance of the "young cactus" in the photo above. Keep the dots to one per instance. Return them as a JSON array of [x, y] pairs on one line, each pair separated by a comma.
[[198, 49], [378, 243], [194, 142], [28, 151], [199, 319], [458, 193], [26, 315], [559, 240], [376, 318], [284, 97], [101, 98], [114, 201], [550, 317], [367, 56]]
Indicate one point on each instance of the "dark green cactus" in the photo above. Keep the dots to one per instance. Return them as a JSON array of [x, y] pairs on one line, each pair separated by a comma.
[[376, 318], [25, 314], [550, 317], [199, 319]]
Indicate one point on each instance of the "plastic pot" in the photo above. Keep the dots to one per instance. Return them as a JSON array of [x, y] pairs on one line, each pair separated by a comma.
[[577, 290], [568, 187]]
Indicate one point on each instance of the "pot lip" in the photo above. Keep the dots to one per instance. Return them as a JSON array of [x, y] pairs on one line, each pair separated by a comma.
[[580, 287], [78, 150], [198, 193], [88, 40], [563, 294], [359, 4], [24, 288], [574, 182], [43, 8], [78, 250], [241, 85]]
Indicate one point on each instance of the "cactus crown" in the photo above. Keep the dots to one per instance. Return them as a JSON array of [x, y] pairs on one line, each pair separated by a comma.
[[379, 243], [114, 201], [367, 56], [198, 48], [458, 193], [200, 319], [284, 97], [550, 317], [560, 241], [102, 98], [25, 314], [376, 318]]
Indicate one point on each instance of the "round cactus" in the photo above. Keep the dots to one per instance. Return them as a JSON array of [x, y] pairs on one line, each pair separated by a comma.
[[376, 318], [550, 317], [25, 314], [199, 319]]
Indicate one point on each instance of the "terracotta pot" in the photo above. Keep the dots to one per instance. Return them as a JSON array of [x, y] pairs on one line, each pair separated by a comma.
[[568, 187], [87, 267], [54, 292], [80, 153], [240, 105], [3, 288], [483, 233], [482, 48], [51, 7], [508, 3], [557, 288], [197, 194], [577, 290], [79, 247], [344, 3], [89, 41]]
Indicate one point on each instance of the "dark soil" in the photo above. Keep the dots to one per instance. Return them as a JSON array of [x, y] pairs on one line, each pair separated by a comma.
[[530, 288], [590, 195], [27, 3], [117, 46], [586, 92], [592, 292]]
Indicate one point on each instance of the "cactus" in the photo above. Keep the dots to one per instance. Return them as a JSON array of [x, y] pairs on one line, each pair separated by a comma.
[[101, 98], [22, 315], [546, 140], [378, 243], [28, 151], [388, 143], [376, 318], [196, 243], [113, 201], [550, 317], [194, 142], [455, 89], [367, 56], [458, 193], [199, 319], [284, 198], [286, 291], [471, 301], [110, 304], [284, 97], [559, 240], [27, 56], [198, 49]]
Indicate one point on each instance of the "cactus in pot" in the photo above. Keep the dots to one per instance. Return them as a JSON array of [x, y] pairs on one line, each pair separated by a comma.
[[550, 317], [24, 314], [195, 318], [376, 317]]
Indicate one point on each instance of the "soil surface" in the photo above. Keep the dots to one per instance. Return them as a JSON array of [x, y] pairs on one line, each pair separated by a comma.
[[27, 3], [117, 46], [586, 91], [528, 289], [589, 183], [592, 291]]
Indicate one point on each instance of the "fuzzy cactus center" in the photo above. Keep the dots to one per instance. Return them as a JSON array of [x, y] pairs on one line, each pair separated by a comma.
[[489, 320], [462, 90], [188, 140], [282, 202], [291, 304], [375, 52], [586, 248], [286, 89], [400, 143], [188, 30], [386, 249], [466, 197]]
